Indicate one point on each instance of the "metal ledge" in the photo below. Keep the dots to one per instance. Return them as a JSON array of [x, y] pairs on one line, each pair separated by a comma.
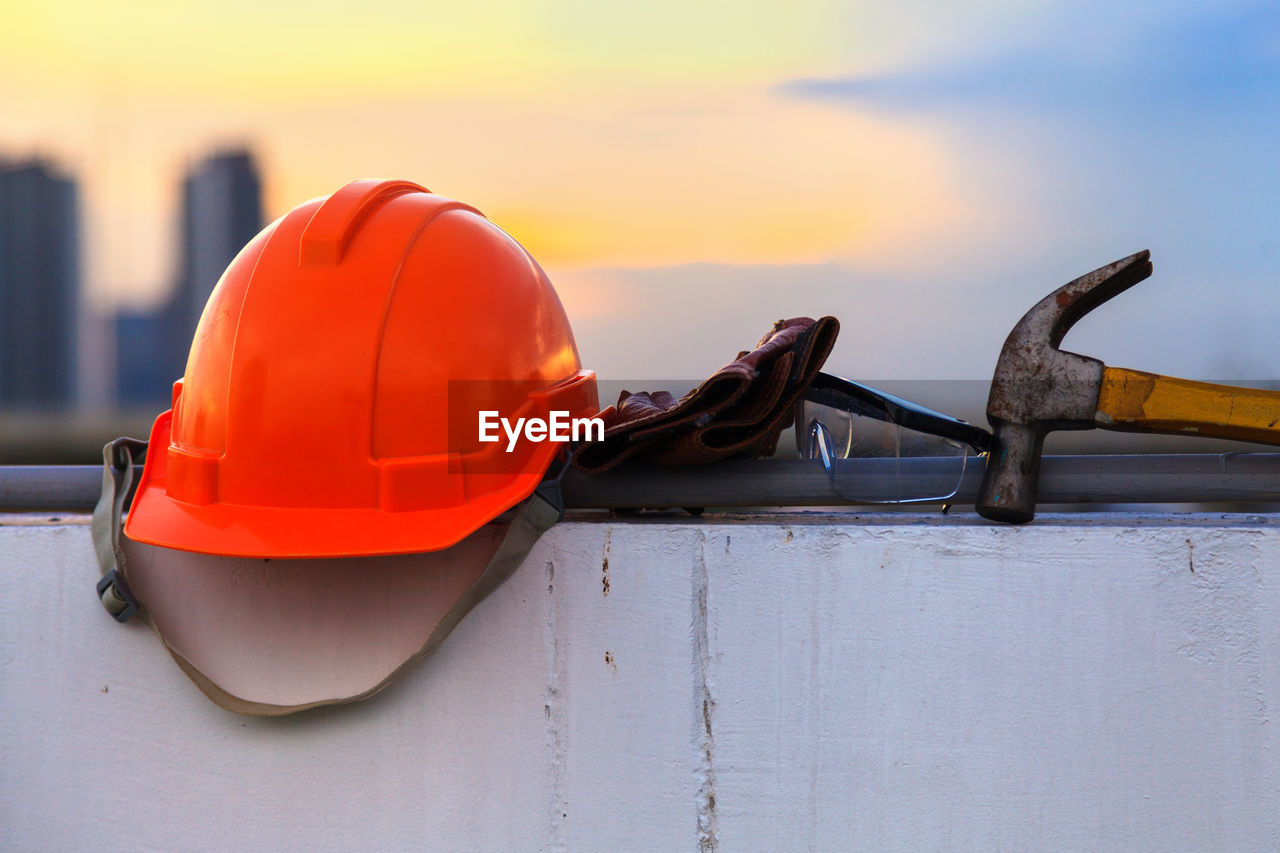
[[1106, 479]]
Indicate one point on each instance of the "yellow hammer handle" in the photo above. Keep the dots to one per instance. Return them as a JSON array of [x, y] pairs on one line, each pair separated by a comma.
[[1133, 401]]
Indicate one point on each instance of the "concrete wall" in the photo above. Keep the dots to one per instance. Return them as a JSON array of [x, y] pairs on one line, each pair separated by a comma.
[[767, 683]]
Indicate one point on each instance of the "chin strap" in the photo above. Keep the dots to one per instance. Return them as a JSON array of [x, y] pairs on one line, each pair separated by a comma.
[[119, 458], [541, 511]]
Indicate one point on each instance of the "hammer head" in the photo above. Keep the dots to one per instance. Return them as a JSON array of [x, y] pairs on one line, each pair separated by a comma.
[[1038, 388]]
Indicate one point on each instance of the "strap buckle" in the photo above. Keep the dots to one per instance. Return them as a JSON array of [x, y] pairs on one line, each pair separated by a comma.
[[116, 597]]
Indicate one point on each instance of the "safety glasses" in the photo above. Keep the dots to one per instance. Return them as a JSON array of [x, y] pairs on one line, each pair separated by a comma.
[[910, 454]]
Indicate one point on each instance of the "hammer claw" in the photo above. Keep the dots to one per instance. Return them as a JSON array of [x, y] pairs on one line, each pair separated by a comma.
[[1066, 305]]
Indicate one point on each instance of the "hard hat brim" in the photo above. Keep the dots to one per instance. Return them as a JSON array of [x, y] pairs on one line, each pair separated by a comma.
[[233, 530]]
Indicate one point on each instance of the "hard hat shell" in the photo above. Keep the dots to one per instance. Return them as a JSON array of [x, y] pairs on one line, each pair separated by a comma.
[[314, 418]]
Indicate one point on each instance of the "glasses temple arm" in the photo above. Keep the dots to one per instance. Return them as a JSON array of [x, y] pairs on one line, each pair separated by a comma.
[[840, 393]]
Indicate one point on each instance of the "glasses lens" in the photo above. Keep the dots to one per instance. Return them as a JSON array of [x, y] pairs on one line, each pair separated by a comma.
[[870, 459]]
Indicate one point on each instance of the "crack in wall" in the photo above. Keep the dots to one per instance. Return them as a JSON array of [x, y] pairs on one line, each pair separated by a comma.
[[556, 714], [604, 562], [708, 824]]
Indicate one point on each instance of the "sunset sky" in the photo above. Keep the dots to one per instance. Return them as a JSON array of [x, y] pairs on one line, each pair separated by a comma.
[[689, 172]]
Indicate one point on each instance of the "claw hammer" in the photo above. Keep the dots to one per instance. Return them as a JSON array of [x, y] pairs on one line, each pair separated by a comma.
[[1038, 388]]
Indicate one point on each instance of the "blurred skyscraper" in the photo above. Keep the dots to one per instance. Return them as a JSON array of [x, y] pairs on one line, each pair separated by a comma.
[[39, 285], [221, 211]]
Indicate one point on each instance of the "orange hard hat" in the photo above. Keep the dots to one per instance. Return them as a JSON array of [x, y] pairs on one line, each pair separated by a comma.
[[329, 402]]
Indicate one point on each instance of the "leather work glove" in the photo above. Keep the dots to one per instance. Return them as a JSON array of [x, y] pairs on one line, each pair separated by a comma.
[[738, 413]]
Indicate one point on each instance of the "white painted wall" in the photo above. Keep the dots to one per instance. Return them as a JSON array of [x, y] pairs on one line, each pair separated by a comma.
[[775, 683]]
